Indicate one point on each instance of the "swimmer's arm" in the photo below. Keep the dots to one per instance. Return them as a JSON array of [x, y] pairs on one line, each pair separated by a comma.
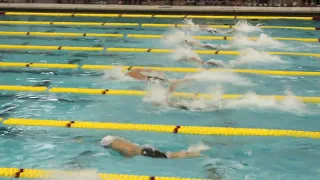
[[140, 70], [229, 31], [183, 154]]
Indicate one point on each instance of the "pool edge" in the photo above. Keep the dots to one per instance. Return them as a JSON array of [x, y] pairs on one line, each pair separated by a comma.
[[288, 11]]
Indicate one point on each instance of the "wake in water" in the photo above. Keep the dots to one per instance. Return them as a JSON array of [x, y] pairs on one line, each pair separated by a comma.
[[245, 27], [222, 169], [251, 56], [157, 94], [176, 37], [116, 73], [241, 26], [221, 77], [192, 28], [263, 41]]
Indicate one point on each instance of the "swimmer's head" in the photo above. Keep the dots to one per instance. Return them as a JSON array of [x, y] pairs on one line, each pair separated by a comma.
[[183, 107], [107, 141]]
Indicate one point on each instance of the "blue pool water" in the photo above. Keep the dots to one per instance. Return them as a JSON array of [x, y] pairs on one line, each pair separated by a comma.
[[233, 157]]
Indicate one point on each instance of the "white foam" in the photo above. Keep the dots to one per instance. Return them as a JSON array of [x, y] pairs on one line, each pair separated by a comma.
[[176, 37], [183, 53], [221, 77], [289, 104], [156, 94], [251, 56], [245, 27], [263, 40], [198, 147], [116, 73], [191, 26]]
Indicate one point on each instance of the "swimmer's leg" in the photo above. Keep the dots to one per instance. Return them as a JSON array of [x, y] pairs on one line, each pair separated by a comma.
[[210, 46], [183, 154], [212, 31], [195, 59]]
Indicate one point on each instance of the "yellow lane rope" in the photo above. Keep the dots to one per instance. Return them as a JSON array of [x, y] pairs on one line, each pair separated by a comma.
[[166, 69], [138, 25], [226, 38], [39, 173], [233, 26], [52, 34], [194, 130], [307, 99], [138, 36], [50, 48], [84, 48], [157, 16], [67, 23], [214, 52]]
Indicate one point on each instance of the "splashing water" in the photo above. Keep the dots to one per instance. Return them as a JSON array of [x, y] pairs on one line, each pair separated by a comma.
[[263, 40], [251, 56], [156, 95], [190, 25], [289, 104], [116, 74], [198, 147], [183, 53], [221, 77], [78, 175], [245, 27], [175, 38]]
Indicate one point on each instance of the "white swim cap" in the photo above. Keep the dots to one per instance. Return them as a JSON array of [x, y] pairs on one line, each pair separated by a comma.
[[107, 140]]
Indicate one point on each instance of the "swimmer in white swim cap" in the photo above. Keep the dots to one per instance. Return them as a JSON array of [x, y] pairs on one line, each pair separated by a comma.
[[129, 149]]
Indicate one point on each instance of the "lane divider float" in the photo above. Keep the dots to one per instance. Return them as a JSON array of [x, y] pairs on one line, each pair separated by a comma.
[[193, 130], [53, 23], [232, 26], [139, 36], [226, 38], [150, 50], [39, 173], [75, 14], [57, 34], [306, 99], [213, 52], [166, 69], [50, 48]]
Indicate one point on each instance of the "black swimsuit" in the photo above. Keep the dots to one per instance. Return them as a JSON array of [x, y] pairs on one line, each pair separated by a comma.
[[149, 152]]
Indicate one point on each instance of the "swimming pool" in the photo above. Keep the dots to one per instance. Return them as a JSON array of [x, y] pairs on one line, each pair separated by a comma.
[[233, 157]]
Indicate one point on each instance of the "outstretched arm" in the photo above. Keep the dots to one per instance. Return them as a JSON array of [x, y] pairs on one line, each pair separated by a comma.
[[173, 86]]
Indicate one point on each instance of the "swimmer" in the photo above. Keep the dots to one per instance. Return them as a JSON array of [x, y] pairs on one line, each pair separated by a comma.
[[198, 44], [137, 73], [129, 149], [201, 62], [214, 30], [187, 105]]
